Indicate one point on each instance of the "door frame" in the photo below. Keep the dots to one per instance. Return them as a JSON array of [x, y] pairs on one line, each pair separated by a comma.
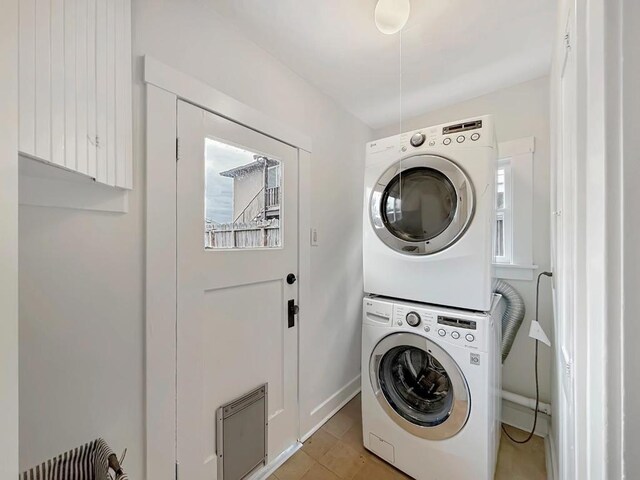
[[164, 87], [9, 462]]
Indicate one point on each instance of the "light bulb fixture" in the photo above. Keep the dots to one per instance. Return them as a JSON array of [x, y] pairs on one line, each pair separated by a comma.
[[392, 15]]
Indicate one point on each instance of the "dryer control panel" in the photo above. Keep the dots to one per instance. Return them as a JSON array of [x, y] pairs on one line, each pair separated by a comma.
[[468, 133]]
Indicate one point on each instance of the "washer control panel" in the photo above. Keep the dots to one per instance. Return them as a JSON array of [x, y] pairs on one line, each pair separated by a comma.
[[442, 325]]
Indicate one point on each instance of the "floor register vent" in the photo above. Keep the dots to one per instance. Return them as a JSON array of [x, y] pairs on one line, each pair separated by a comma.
[[241, 435]]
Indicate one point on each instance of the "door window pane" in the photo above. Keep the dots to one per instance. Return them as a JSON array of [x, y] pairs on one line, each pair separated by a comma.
[[242, 198]]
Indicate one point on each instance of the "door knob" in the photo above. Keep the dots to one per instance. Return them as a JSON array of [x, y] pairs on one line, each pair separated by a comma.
[[291, 279]]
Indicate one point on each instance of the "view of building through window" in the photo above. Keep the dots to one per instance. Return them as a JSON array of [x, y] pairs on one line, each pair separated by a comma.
[[242, 198]]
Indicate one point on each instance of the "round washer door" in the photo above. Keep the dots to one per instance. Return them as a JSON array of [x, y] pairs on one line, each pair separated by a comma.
[[421, 205], [419, 386]]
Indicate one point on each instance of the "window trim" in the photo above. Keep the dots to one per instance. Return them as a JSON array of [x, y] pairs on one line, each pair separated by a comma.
[[506, 212], [519, 154]]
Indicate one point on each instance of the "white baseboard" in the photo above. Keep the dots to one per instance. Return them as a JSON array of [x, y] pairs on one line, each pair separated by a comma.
[[328, 408], [265, 472], [522, 418]]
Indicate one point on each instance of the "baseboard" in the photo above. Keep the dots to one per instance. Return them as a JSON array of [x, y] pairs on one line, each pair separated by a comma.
[[550, 455], [275, 464], [522, 418], [329, 407]]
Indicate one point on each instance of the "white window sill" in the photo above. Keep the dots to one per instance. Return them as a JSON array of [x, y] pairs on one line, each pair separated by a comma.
[[511, 271]]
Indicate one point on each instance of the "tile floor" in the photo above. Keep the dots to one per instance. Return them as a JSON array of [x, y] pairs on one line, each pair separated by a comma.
[[335, 452]]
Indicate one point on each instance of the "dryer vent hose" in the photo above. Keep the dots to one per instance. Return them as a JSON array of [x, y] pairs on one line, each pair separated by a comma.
[[513, 315]]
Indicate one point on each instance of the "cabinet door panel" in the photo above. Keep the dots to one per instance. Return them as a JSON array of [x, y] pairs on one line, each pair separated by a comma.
[[57, 83], [70, 83], [123, 97], [82, 144], [27, 73], [43, 79], [92, 129], [111, 92], [101, 89], [75, 86]]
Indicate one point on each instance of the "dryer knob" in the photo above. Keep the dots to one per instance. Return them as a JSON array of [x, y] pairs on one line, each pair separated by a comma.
[[413, 319], [417, 139]]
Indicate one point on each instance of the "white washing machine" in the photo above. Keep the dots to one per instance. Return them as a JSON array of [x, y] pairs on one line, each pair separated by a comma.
[[429, 212], [431, 388]]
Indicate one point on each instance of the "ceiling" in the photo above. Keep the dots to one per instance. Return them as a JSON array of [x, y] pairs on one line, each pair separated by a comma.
[[452, 50]]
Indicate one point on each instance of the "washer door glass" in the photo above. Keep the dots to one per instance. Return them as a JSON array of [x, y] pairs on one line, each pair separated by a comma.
[[416, 385], [419, 204], [419, 385]]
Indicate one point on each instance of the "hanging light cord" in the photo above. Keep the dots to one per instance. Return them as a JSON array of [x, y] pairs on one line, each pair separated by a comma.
[[535, 415]]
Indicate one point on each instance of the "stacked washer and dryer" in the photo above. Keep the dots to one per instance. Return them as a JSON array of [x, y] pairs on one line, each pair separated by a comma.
[[431, 331]]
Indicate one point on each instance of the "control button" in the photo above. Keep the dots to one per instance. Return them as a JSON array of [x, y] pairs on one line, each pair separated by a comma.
[[455, 335], [475, 136], [404, 149], [399, 322], [469, 337], [442, 332], [432, 143], [427, 329], [460, 139], [413, 319], [417, 139], [447, 141]]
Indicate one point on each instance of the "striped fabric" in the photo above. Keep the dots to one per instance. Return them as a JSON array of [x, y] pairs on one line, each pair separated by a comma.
[[88, 462]]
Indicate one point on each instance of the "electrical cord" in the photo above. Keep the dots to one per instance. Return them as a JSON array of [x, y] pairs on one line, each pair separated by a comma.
[[535, 415]]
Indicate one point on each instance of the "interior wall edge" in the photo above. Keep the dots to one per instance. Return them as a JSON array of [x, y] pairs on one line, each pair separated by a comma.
[[9, 407], [319, 415]]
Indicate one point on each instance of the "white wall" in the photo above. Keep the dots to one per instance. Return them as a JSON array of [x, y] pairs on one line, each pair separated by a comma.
[[519, 111], [82, 285], [9, 240], [631, 235]]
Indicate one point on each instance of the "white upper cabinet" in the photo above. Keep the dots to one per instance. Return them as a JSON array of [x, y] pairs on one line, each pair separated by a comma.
[[75, 86]]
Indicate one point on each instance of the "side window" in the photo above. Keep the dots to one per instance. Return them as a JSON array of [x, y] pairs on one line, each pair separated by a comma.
[[513, 250]]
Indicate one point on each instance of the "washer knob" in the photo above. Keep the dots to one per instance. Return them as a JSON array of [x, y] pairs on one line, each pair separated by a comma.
[[455, 335], [413, 319], [442, 332], [447, 141], [417, 139], [460, 138]]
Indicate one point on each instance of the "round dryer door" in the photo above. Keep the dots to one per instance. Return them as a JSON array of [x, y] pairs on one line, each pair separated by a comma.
[[420, 386], [421, 205]]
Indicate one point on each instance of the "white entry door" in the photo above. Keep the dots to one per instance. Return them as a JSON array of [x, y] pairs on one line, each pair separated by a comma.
[[237, 242]]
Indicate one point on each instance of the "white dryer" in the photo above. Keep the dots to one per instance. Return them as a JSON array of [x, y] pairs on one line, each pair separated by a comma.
[[429, 212], [431, 388]]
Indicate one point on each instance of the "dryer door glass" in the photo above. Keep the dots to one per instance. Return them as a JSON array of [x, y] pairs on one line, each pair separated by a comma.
[[419, 204], [416, 385]]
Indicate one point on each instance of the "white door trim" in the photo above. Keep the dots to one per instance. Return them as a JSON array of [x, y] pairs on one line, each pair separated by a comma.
[[9, 241], [199, 93], [164, 86]]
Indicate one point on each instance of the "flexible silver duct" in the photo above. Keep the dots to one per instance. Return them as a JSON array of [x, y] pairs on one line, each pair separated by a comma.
[[513, 315]]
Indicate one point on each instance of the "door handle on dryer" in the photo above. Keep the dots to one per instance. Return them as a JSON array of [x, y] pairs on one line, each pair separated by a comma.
[[293, 310]]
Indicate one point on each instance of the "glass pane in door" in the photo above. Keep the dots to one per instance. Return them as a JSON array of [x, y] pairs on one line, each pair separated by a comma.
[[242, 201]]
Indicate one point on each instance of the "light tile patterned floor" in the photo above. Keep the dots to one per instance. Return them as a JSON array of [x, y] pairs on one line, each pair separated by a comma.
[[335, 452]]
